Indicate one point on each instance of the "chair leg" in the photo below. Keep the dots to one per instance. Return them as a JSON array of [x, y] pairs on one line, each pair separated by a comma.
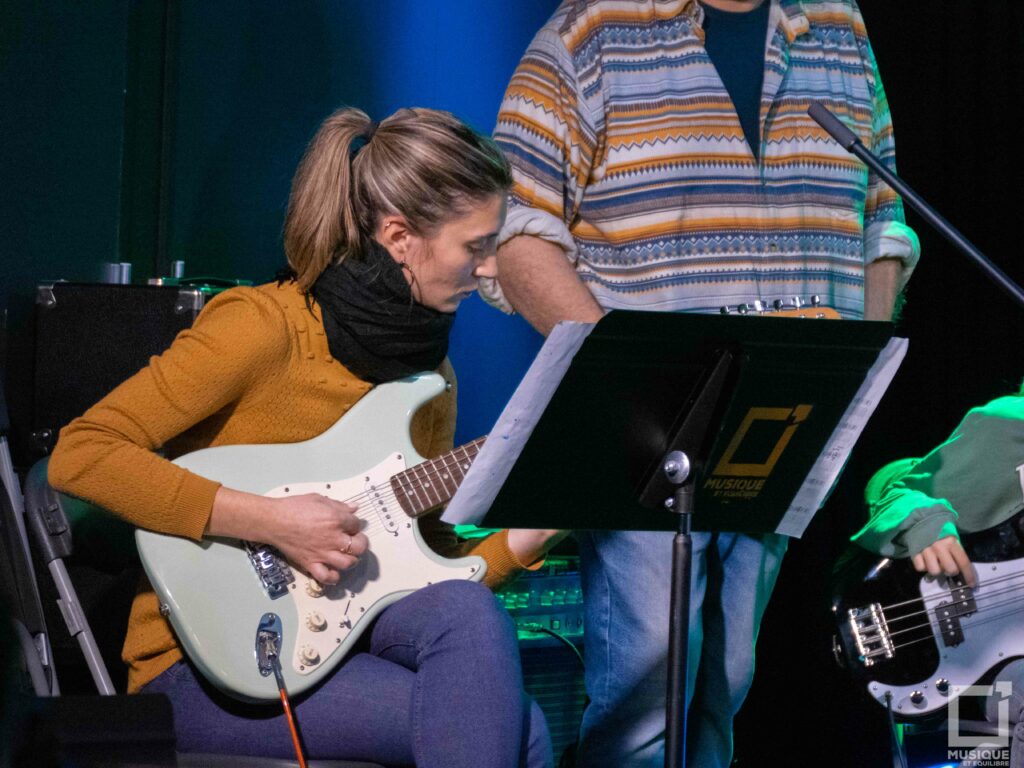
[[78, 627], [38, 653]]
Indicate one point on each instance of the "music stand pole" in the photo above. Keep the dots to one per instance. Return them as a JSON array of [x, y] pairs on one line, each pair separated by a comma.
[[677, 469]]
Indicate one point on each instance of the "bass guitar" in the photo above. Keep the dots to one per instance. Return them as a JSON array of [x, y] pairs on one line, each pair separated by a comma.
[[919, 640], [225, 598]]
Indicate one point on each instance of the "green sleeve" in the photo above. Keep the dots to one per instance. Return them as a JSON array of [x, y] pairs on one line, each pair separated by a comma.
[[905, 521]]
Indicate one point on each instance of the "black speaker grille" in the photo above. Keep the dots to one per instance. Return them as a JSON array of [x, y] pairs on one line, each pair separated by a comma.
[[91, 337]]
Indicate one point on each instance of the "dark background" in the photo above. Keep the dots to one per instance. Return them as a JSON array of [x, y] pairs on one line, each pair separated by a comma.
[[149, 131]]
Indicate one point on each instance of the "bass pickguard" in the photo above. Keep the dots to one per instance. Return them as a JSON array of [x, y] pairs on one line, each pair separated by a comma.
[[918, 640]]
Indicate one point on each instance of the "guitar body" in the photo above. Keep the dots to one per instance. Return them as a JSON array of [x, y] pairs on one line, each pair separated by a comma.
[[213, 593], [919, 639]]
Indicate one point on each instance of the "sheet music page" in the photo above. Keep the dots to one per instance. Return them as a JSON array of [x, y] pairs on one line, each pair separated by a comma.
[[492, 465], [825, 472]]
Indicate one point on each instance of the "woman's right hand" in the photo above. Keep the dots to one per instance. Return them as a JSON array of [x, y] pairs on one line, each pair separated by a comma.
[[320, 536]]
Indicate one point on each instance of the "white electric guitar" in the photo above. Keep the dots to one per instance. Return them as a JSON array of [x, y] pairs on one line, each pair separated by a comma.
[[228, 599]]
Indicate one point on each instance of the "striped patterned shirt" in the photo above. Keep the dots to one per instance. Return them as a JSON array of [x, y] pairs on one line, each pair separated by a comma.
[[626, 150]]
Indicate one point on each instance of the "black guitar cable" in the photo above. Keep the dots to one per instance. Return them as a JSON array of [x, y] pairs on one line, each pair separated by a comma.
[[899, 757], [540, 628]]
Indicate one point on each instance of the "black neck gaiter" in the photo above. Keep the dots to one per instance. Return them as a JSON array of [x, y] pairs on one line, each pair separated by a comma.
[[374, 327]]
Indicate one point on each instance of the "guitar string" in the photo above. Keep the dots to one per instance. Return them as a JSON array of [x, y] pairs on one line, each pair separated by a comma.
[[375, 522]]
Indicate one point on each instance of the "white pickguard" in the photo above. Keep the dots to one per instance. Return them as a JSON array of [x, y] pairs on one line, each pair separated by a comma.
[[215, 600], [991, 634], [394, 563]]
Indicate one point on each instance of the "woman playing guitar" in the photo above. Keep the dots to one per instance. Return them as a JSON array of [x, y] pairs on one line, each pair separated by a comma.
[[388, 228]]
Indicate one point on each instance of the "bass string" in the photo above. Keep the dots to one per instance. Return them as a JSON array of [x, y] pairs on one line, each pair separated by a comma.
[[988, 620], [940, 595], [977, 612], [1009, 589]]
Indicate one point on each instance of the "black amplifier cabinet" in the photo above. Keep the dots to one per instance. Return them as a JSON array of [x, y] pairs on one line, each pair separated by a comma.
[[547, 607], [89, 337]]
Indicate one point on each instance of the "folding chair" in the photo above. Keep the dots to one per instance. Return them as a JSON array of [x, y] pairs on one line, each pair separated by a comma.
[[52, 518]]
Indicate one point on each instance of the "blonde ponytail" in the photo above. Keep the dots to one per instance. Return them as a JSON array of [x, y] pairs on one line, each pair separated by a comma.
[[422, 164], [321, 222]]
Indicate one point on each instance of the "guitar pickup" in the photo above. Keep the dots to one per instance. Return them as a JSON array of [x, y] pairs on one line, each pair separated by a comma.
[[871, 634], [948, 614], [381, 499]]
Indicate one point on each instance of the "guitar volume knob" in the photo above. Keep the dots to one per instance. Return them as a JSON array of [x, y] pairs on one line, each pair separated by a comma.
[[308, 655], [316, 621], [314, 588]]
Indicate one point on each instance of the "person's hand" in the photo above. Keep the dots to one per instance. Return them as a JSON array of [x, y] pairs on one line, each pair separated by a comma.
[[318, 535], [529, 545], [321, 536], [945, 557]]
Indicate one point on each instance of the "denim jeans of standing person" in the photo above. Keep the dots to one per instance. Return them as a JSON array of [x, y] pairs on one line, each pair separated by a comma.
[[439, 687], [626, 589]]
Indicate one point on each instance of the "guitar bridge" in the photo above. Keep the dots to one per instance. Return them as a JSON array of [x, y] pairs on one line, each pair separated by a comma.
[[871, 634], [271, 569]]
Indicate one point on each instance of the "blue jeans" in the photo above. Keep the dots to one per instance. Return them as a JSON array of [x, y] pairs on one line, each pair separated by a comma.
[[626, 588], [440, 687]]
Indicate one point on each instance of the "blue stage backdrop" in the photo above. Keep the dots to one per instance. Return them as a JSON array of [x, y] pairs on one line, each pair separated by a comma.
[[253, 80]]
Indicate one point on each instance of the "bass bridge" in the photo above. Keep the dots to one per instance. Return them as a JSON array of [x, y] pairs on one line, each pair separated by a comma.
[[871, 634]]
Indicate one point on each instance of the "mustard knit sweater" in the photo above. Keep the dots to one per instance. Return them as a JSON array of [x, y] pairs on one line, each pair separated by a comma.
[[254, 368]]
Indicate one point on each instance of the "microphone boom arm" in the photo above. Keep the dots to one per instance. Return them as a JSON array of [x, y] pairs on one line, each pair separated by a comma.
[[849, 141]]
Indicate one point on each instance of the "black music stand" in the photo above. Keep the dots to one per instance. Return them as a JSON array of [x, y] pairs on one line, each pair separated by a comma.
[[741, 424]]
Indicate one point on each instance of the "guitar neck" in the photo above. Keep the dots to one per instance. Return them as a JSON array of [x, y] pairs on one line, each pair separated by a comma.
[[432, 484]]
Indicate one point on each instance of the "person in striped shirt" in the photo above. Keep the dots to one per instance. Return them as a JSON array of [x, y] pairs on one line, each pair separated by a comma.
[[663, 159]]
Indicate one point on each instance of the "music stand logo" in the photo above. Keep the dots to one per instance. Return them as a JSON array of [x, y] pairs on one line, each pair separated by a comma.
[[764, 432], [990, 750]]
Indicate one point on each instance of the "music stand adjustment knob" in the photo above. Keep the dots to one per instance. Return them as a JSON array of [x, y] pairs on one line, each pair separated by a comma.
[[676, 467]]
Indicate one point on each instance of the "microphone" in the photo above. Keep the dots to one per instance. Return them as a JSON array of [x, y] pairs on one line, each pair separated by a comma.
[[848, 140]]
